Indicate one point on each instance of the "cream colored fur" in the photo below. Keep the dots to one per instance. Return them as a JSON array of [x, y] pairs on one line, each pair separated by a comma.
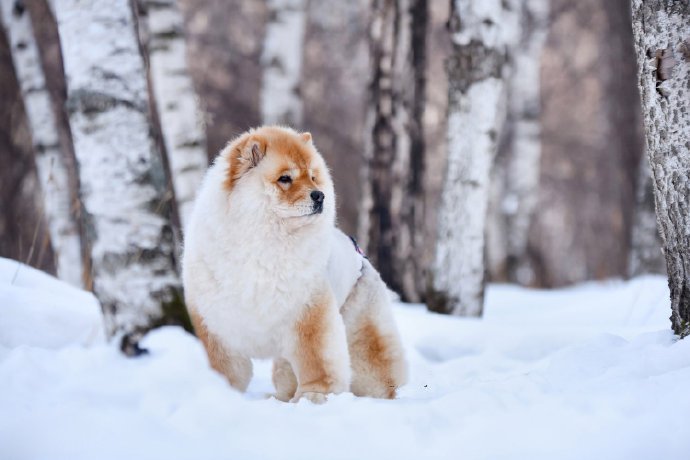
[[262, 282]]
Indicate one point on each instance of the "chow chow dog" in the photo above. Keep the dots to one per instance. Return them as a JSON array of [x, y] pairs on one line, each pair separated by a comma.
[[268, 275]]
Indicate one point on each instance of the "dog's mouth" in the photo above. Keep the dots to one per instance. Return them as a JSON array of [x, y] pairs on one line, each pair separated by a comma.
[[304, 212], [315, 212]]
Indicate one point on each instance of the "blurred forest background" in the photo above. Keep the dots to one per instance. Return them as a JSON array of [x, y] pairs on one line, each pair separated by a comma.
[[565, 196]]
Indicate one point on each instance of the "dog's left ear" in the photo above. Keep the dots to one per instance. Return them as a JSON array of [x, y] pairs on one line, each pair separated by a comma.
[[306, 137]]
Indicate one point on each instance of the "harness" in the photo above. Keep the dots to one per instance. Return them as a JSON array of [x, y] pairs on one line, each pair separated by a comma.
[[357, 248]]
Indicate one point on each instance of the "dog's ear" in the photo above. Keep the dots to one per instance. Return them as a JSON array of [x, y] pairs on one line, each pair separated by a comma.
[[251, 152], [244, 154], [306, 137]]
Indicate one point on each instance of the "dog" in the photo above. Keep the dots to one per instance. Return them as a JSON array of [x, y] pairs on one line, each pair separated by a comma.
[[267, 274]]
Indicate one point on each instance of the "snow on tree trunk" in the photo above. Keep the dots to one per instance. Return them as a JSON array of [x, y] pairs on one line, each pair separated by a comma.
[[662, 40], [126, 203], [51, 164], [176, 102], [392, 212], [476, 109], [646, 255], [516, 178], [282, 63]]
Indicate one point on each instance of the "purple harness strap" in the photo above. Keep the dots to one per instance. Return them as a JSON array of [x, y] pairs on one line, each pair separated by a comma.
[[357, 248]]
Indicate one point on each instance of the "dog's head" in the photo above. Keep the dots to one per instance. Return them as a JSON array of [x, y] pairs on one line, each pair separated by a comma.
[[285, 167]]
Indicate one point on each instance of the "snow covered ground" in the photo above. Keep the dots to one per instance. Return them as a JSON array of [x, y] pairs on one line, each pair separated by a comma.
[[589, 372]]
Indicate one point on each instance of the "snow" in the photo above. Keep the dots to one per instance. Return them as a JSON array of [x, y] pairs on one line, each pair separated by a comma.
[[586, 372], [36, 310]]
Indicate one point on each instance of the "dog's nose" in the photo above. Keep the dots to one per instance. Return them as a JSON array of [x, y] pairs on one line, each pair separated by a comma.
[[317, 196]]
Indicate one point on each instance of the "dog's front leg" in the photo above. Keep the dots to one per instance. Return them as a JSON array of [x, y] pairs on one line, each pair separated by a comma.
[[318, 352]]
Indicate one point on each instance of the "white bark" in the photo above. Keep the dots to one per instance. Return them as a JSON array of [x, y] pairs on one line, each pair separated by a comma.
[[392, 212], [176, 102], [662, 40], [476, 110], [281, 60], [51, 165], [123, 182], [514, 191]]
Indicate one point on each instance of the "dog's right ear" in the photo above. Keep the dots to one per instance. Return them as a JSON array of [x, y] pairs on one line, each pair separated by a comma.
[[244, 155], [251, 152]]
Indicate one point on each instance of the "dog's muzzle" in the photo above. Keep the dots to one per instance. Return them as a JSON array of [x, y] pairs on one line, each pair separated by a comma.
[[317, 197]]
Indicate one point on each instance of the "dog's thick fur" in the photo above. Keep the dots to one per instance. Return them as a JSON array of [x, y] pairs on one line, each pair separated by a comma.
[[268, 275]]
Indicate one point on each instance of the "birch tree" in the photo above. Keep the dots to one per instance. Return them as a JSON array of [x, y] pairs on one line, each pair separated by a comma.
[[123, 183], [52, 166], [392, 212], [515, 181], [281, 60], [175, 99], [476, 108], [662, 41], [24, 236]]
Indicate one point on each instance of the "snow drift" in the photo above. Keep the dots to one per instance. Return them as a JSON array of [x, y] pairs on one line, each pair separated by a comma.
[[586, 372]]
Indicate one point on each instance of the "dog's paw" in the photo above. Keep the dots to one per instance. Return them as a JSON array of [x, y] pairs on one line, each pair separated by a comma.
[[314, 397], [282, 396]]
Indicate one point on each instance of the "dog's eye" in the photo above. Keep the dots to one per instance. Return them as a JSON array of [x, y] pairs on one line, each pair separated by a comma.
[[285, 179]]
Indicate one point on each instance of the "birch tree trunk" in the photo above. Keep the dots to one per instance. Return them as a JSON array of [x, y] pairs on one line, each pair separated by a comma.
[[662, 40], [515, 181], [281, 60], [24, 233], [176, 101], [58, 194], [476, 108], [391, 219], [123, 183], [438, 48]]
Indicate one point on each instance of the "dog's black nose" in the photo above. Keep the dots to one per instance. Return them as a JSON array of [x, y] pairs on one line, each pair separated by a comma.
[[317, 196]]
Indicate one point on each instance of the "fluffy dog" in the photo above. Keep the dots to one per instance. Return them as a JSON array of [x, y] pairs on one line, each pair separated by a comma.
[[268, 275]]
